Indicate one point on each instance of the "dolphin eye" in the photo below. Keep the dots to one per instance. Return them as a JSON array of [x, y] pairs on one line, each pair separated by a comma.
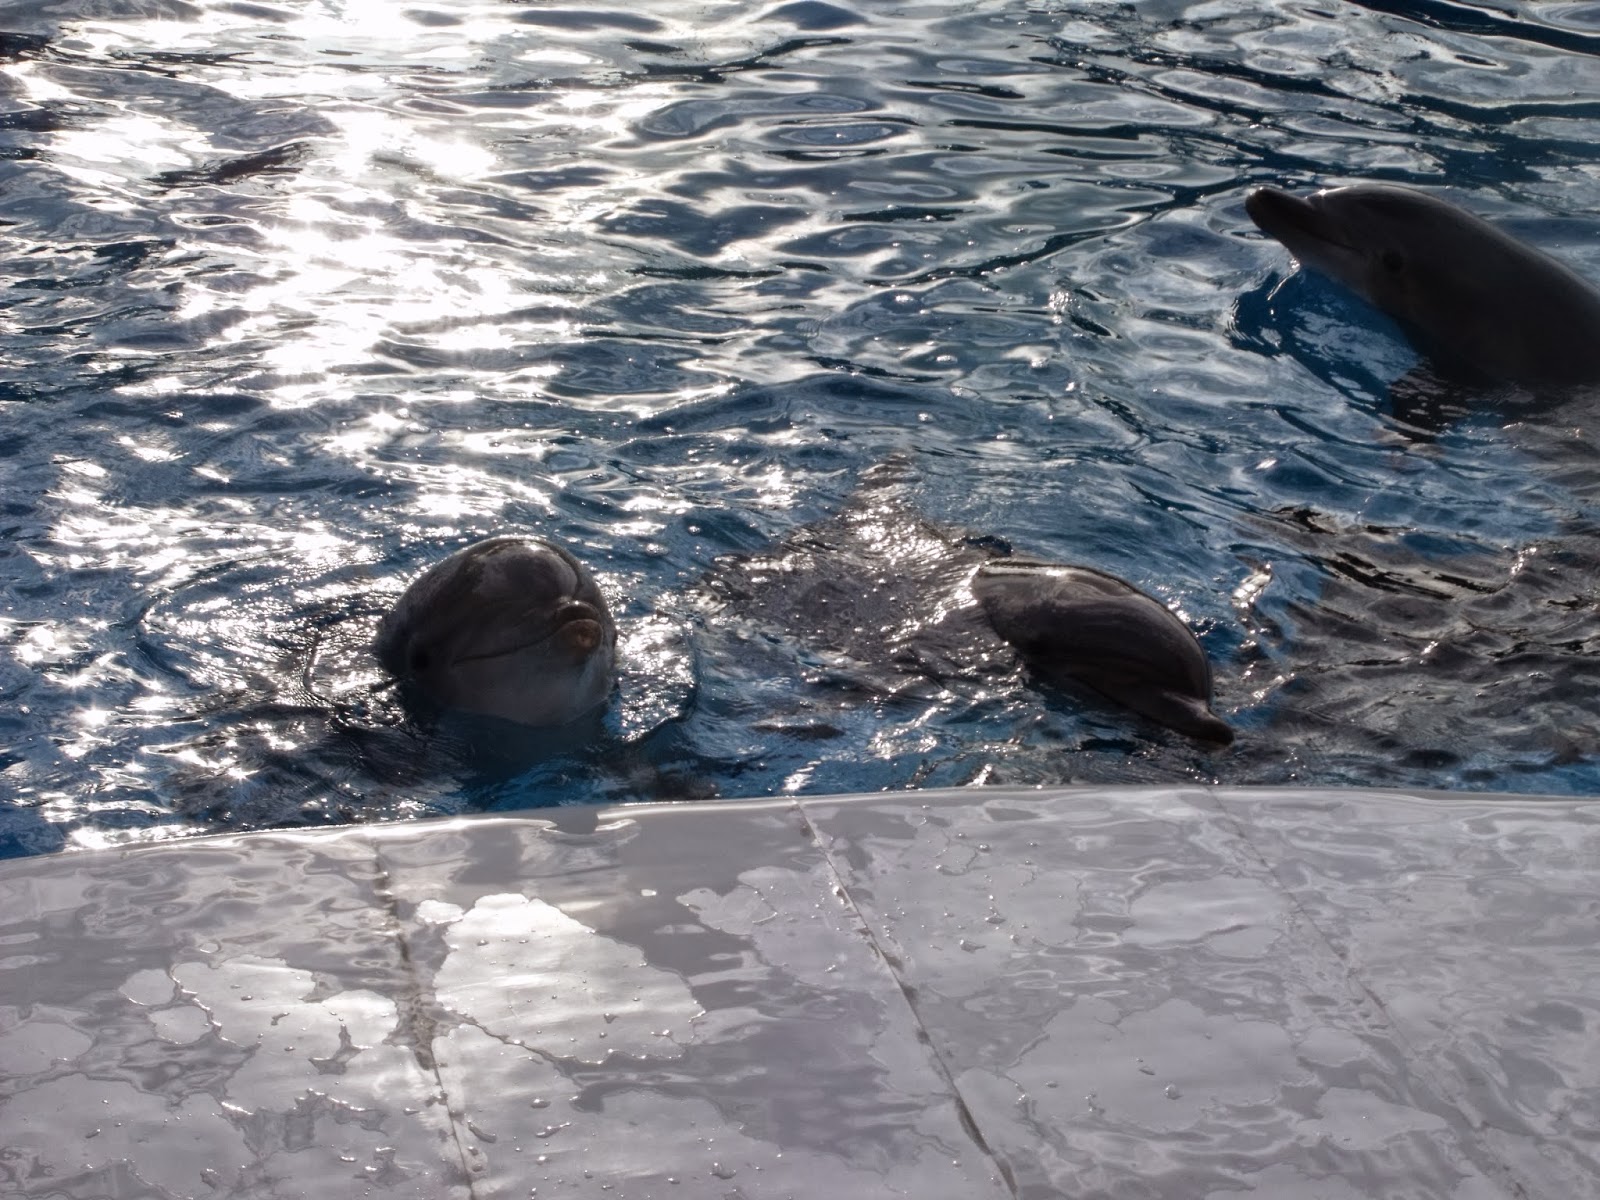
[[1393, 261], [420, 658]]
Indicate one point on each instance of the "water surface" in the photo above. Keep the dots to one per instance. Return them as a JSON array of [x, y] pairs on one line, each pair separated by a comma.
[[302, 296]]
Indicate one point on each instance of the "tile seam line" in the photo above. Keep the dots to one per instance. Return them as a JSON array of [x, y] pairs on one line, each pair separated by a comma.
[[1508, 1177], [382, 886], [964, 1115]]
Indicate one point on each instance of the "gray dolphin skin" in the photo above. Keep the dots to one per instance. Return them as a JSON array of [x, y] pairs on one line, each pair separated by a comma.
[[1471, 297], [1077, 624], [510, 627]]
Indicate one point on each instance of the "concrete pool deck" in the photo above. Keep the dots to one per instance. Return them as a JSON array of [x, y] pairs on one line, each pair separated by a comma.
[[1084, 992]]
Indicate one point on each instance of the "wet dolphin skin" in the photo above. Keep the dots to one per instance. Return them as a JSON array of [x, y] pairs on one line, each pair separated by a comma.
[[511, 627]]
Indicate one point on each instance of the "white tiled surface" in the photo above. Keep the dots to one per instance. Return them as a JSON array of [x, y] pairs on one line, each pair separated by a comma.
[[978, 993]]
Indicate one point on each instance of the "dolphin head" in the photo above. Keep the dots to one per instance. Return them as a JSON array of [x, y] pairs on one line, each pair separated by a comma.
[[1076, 623], [1467, 294], [510, 627]]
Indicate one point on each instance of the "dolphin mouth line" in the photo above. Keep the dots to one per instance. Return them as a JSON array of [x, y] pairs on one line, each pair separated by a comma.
[[567, 614]]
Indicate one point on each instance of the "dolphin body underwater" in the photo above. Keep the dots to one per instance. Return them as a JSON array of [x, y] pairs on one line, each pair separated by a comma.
[[1481, 305], [516, 628]]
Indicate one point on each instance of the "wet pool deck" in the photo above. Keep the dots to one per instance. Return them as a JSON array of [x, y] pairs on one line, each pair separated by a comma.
[[982, 993]]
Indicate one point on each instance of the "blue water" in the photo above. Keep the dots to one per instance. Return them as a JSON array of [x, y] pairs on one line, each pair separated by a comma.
[[301, 296]]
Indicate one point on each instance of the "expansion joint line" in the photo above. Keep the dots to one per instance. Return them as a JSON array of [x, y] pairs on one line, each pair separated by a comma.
[[1415, 1060], [411, 1006], [891, 964]]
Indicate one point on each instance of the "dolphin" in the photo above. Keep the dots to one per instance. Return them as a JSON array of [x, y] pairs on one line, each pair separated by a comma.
[[510, 627], [887, 602], [1480, 304], [1076, 624]]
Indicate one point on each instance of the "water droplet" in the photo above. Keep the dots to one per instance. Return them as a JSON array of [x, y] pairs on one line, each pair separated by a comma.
[[539, 1103], [722, 1172], [610, 1017], [1172, 1092]]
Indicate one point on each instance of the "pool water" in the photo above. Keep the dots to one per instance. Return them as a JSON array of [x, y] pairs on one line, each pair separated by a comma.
[[302, 296]]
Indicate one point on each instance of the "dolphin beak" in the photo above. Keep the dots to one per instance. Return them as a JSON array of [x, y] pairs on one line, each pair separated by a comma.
[[1284, 217]]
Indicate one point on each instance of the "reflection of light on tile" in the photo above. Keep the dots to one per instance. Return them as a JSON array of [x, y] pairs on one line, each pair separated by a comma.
[[521, 968]]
